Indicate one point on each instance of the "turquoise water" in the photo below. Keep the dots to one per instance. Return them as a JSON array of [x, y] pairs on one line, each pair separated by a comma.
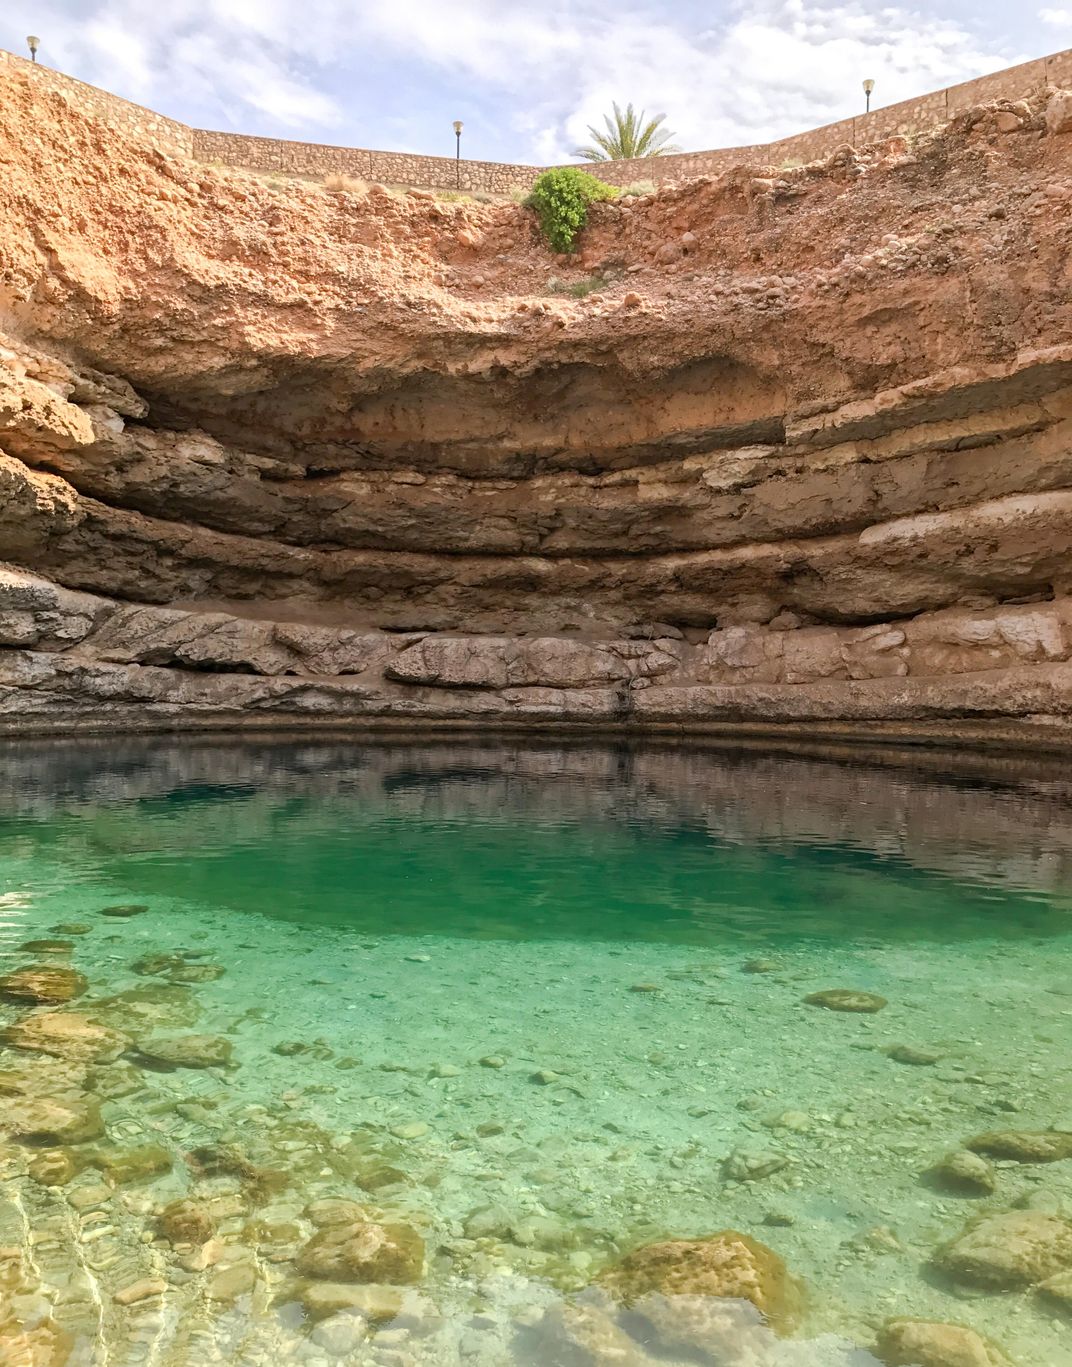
[[544, 1005]]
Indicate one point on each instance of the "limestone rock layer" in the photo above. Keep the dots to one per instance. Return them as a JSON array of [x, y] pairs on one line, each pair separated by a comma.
[[789, 450]]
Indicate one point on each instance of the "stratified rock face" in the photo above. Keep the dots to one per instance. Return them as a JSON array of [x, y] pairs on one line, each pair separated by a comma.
[[272, 456]]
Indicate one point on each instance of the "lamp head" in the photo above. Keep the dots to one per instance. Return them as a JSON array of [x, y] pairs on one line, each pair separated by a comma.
[[869, 85], [458, 126], [33, 43]]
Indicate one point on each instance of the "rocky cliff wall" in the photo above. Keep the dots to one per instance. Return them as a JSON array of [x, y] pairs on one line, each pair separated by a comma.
[[798, 461]]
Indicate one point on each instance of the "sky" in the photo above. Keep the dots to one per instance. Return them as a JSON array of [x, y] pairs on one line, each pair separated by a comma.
[[525, 76]]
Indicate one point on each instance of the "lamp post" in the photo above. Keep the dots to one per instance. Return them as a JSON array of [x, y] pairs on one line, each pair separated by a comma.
[[869, 85], [458, 154], [33, 43]]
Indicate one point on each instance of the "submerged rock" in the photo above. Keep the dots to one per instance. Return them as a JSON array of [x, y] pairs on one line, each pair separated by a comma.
[[140, 1291], [187, 1051], [50, 1120], [188, 1221], [228, 1160], [65, 1034], [230, 1282], [46, 947], [1005, 1252], [727, 1265], [153, 1005], [364, 1251], [176, 968], [56, 1167], [1058, 1290], [918, 1343], [964, 1172], [149, 965], [43, 984], [586, 1331], [379, 1304], [342, 1334], [843, 999], [125, 910], [71, 928], [750, 1165], [333, 1210], [907, 1053], [124, 1166], [1024, 1146]]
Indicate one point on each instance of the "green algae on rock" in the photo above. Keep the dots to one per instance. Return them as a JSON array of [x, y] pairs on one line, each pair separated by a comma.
[[364, 1251], [724, 1266]]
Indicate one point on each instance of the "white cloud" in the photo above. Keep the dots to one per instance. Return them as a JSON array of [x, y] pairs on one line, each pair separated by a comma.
[[752, 72], [1056, 18]]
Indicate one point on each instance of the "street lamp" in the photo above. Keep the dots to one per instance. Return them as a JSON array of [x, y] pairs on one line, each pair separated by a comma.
[[869, 85], [458, 156], [33, 43]]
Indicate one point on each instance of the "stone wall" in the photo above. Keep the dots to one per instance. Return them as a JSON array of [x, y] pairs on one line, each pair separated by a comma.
[[131, 119], [390, 168], [444, 173]]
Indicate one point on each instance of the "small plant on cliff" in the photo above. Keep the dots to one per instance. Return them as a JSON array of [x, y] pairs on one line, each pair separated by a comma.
[[561, 198]]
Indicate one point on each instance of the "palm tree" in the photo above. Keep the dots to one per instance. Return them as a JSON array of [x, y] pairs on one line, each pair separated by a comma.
[[628, 136]]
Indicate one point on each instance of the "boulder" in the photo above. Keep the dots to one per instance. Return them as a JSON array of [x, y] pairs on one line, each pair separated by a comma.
[[586, 1332], [966, 1173], [1059, 112], [918, 1343], [842, 999], [49, 1120], [151, 1006], [43, 984], [1023, 1146], [187, 1051], [364, 1251], [727, 1266], [750, 1165], [188, 1221], [1058, 1290], [1010, 1251], [65, 1034], [379, 1304], [124, 1166], [56, 1167]]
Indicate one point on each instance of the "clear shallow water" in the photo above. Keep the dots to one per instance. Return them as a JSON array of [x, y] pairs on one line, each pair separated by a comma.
[[387, 917]]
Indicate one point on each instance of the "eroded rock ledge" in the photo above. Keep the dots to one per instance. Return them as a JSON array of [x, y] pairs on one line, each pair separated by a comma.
[[802, 463]]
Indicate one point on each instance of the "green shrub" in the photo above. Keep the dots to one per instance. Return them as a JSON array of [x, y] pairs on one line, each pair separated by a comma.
[[561, 198]]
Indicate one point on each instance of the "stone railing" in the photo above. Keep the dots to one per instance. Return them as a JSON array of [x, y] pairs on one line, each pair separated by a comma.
[[445, 173]]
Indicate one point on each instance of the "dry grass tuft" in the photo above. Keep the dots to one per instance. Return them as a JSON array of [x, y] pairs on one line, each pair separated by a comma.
[[352, 184]]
